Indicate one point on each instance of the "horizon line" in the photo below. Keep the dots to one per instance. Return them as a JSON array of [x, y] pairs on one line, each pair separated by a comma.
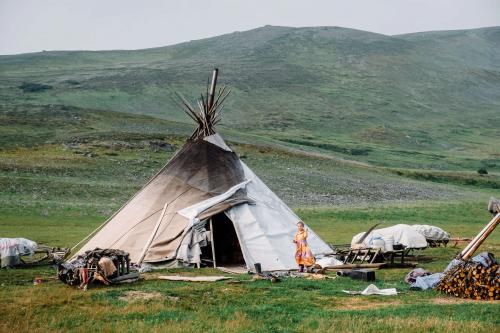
[[242, 31]]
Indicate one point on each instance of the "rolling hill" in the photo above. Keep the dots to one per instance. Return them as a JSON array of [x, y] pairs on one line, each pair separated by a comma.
[[419, 101]]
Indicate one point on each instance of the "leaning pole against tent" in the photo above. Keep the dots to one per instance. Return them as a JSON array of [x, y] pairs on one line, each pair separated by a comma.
[[205, 206]]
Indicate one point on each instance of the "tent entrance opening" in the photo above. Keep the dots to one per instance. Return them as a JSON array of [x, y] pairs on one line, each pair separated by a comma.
[[225, 242]]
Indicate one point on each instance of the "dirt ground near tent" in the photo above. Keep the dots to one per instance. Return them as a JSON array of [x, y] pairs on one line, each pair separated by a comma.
[[293, 305]]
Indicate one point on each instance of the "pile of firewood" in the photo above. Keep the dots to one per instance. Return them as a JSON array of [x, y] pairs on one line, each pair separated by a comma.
[[472, 280]]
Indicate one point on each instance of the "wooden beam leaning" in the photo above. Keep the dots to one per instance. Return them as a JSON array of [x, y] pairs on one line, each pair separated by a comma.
[[212, 242], [479, 239]]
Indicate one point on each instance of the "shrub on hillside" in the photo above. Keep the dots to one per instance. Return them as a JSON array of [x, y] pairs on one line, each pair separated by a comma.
[[33, 87], [482, 171]]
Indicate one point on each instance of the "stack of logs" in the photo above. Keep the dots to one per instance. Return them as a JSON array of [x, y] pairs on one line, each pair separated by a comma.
[[472, 280], [469, 279]]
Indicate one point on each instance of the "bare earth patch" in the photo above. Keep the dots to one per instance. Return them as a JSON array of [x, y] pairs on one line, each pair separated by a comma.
[[358, 303], [456, 300], [136, 295]]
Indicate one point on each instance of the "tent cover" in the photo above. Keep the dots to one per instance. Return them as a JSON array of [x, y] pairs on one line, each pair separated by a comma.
[[166, 221]]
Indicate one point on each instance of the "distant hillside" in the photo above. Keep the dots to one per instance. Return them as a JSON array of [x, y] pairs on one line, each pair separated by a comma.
[[426, 100]]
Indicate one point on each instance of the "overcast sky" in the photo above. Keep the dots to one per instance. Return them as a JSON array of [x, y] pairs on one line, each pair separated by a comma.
[[35, 25]]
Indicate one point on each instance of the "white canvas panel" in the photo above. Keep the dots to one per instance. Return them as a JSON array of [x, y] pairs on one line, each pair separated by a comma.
[[193, 211], [266, 228], [217, 140]]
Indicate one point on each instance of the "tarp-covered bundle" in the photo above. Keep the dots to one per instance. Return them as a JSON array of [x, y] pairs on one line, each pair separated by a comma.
[[494, 206], [386, 238], [431, 232], [12, 249], [167, 220]]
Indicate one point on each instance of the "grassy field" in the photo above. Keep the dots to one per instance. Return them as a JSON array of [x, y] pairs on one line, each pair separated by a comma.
[[56, 191], [61, 180], [293, 305]]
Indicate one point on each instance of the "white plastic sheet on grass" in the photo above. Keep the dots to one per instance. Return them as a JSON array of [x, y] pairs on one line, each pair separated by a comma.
[[373, 290]]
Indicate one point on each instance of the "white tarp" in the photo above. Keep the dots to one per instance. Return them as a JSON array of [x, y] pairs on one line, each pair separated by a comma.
[[428, 281], [266, 228], [11, 250], [189, 250], [373, 290], [328, 262], [400, 234], [431, 232], [193, 211], [194, 278]]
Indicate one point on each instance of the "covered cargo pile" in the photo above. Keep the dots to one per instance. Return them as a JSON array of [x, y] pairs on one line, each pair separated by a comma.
[[12, 249], [387, 238], [417, 236], [434, 235]]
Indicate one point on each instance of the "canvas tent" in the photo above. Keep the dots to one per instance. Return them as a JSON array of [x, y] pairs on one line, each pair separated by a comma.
[[205, 203]]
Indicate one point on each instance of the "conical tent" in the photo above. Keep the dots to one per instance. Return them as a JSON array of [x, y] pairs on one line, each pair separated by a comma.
[[205, 195]]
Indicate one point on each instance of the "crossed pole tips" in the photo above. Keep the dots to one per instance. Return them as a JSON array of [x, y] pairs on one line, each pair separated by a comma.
[[207, 111]]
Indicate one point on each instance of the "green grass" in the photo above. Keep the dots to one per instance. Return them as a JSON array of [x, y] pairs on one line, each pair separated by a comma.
[[61, 180], [92, 159], [54, 194], [293, 305]]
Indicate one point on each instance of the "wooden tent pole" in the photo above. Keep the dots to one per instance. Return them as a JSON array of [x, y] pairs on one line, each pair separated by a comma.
[[367, 233], [480, 238], [212, 89], [153, 234], [128, 201], [475, 239], [212, 241]]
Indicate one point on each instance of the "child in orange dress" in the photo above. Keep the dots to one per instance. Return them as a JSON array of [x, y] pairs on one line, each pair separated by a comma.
[[303, 254]]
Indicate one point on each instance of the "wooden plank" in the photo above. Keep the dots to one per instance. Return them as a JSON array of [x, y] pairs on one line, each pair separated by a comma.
[[366, 254], [355, 256], [212, 242], [476, 242], [153, 234], [354, 266], [374, 256], [347, 257]]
